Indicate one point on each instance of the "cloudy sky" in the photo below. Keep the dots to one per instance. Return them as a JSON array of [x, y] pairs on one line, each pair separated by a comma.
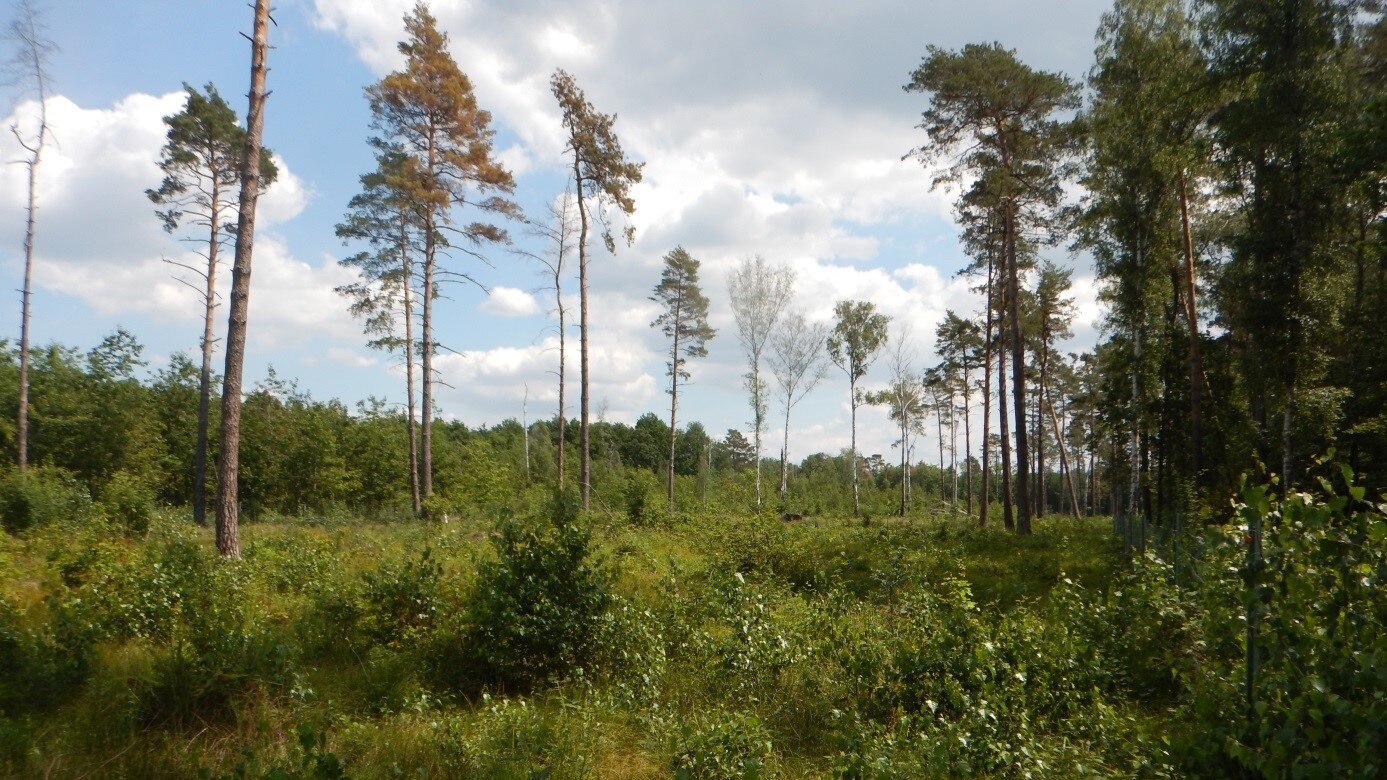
[[774, 128]]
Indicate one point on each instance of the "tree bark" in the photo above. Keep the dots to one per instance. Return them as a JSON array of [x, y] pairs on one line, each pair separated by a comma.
[[1008, 516], [31, 208], [584, 419], [856, 496], [1195, 360], [407, 286], [1018, 374], [228, 469], [674, 404], [204, 385], [986, 499]]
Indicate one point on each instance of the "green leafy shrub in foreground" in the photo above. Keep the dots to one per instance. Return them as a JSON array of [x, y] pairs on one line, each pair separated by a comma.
[[534, 611]]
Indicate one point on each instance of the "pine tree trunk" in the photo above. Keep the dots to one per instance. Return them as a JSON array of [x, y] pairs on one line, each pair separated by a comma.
[[563, 358], [228, 468], [204, 384], [674, 404], [986, 499], [1008, 516], [426, 370], [1195, 360], [584, 403], [407, 284], [968, 441], [1018, 375]]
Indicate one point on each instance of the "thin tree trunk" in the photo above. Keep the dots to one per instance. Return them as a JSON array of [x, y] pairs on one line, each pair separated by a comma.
[[204, 384], [953, 448], [905, 475], [785, 453], [558, 484], [759, 421], [584, 403], [427, 344], [987, 401], [1064, 457], [407, 286], [673, 404], [1008, 516], [1040, 474], [856, 496], [31, 208], [228, 468], [968, 440], [939, 432], [1018, 374], [1192, 317]]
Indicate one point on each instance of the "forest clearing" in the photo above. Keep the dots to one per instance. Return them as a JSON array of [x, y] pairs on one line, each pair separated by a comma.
[[1054, 389]]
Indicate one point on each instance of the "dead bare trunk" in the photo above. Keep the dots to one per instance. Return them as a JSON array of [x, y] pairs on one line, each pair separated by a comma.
[[228, 468], [34, 49]]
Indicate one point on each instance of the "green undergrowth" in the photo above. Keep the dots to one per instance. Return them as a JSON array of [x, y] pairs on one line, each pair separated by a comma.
[[562, 646]]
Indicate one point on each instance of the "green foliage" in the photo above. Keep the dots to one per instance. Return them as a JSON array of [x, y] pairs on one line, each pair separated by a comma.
[[722, 747], [535, 608], [402, 598], [128, 503], [43, 496]]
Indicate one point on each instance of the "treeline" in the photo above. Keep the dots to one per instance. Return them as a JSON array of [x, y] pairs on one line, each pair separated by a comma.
[[109, 428]]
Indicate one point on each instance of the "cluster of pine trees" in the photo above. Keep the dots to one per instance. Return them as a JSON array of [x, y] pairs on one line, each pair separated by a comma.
[[1229, 160]]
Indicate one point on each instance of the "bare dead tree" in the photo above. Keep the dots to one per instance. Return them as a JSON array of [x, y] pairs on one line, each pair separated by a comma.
[[29, 68]]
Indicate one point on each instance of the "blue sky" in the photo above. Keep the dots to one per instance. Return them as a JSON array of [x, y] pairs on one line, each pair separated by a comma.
[[772, 128]]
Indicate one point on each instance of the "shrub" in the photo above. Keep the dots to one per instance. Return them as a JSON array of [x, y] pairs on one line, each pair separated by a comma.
[[402, 598], [44, 495], [128, 504], [724, 747], [534, 610], [38, 666]]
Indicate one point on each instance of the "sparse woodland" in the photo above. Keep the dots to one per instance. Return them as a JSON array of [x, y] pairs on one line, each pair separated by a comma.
[[1164, 557]]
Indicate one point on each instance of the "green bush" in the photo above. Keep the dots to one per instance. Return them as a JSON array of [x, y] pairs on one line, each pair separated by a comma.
[[402, 598], [535, 610], [724, 747], [40, 497], [38, 666], [128, 504]]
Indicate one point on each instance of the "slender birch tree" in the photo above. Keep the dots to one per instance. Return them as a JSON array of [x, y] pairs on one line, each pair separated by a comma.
[[798, 362], [857, 337], [759, 292]]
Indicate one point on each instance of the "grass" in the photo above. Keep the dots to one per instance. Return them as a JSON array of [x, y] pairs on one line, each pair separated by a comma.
[[737, 631]]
